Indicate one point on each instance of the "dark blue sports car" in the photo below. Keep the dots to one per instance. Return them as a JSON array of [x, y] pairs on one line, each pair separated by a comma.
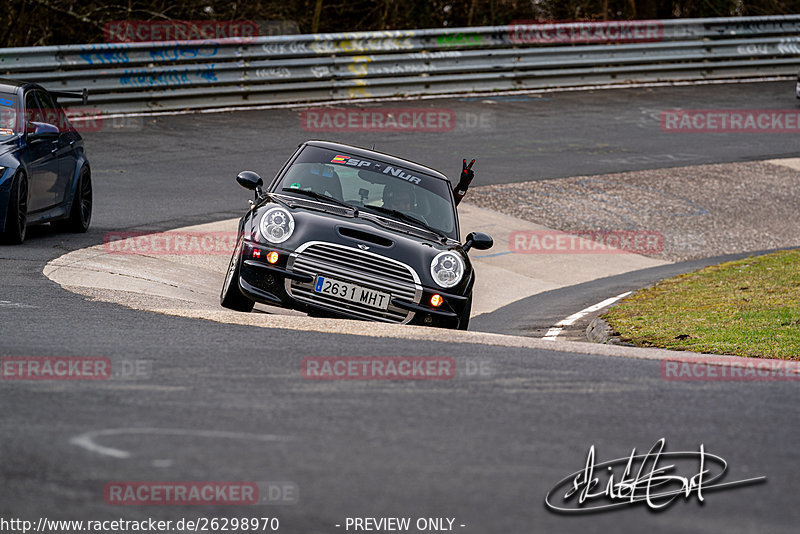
[[44, 173]]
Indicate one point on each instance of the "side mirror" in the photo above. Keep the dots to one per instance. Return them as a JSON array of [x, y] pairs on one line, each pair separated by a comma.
[[41, 130], [479, 241], [249, 180]]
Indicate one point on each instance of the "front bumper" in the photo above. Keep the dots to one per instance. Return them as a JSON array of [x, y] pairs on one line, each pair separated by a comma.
[[290, 280]]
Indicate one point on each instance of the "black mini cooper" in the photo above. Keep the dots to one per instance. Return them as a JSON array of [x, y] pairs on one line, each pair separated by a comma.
[[347, 232]]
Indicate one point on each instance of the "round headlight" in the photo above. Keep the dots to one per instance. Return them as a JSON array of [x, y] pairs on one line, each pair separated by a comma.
[[447, 268], [277, 225]]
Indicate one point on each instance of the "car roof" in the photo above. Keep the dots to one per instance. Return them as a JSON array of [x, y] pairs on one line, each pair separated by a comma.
[[374, 154], [12, 86]]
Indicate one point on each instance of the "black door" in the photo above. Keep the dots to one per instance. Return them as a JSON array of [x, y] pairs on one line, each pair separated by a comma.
[[67, 138], [42, 155]]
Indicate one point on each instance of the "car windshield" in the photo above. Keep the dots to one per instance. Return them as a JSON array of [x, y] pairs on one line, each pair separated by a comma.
[[8, 115], [373, 186]]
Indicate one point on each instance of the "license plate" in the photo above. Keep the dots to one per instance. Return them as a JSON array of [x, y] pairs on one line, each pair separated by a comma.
[[351, 292]]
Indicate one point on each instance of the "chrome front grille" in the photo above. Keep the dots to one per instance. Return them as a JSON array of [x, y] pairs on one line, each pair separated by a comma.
[[358, 267]]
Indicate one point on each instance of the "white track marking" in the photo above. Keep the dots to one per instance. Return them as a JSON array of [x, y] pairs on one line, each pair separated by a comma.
[[87, 442], [9, 304], [552, 334]]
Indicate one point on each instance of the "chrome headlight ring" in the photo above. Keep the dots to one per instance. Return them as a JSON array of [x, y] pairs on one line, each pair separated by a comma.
[[276, 225], [447, 269]]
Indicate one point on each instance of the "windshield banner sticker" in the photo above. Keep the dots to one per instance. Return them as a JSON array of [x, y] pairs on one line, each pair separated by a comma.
[[347, 160], [400, 173], [388, 169]]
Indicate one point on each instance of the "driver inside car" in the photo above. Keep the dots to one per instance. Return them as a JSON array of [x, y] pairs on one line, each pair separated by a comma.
[[399, 198], [320, 179]]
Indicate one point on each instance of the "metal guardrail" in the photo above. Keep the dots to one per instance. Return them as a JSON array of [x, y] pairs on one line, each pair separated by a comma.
[[127, 77]]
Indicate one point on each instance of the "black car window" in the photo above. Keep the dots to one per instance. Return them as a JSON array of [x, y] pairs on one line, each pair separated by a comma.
[[50, 110], [8, 114], [33, 111], [373, 182]]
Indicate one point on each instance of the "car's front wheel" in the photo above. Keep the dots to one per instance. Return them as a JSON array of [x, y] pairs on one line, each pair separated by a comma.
[[17, 212], [463, 319], [231, 297]]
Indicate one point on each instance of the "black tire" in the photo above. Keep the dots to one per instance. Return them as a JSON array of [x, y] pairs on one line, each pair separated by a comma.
[[81, 213], [231, 297], [463, 319], [17, 212]]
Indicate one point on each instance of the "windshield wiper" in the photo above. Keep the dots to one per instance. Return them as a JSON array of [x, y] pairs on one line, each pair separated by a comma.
[[408, 218], [320, 196]]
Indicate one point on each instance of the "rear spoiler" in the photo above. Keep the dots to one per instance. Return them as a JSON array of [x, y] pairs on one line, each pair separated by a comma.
[[84, 95]]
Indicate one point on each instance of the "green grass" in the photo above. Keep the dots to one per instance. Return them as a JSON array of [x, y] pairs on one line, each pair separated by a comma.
[[749, 307]]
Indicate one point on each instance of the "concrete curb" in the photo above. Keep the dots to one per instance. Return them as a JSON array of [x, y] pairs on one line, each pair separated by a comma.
[[599, 331]]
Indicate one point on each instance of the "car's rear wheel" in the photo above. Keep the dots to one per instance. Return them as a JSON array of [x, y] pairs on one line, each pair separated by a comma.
[[17, 212], [231, 297], [81, 213]]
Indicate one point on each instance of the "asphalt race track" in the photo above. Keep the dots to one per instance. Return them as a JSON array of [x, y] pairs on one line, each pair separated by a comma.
[[220, 402]]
